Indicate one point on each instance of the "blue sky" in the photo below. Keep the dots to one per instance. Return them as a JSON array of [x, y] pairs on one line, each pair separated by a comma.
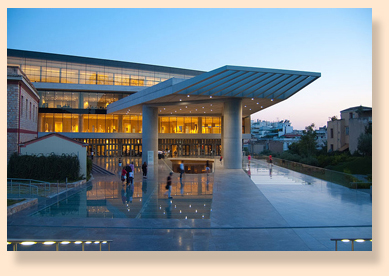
[[335, 42]]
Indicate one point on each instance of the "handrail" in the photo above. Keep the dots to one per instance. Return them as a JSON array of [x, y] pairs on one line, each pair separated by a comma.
[[57, 242], [47, 187], [348, 240], [340, 178]]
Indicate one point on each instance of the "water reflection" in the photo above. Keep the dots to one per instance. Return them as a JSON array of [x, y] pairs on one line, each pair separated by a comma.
[[107, 197]]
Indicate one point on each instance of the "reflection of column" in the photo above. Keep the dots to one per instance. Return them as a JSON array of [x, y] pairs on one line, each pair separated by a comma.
[[83, 207], [200, 125], [150, 133], [200, 184], [232, 134]]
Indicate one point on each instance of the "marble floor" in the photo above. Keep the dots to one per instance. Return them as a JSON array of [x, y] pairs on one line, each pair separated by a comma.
[[259, 208]]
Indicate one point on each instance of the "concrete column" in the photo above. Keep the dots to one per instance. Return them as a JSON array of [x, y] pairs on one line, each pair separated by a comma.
[[221, 136], [80, 123], [149, 133], [232, 134], [120, 119]]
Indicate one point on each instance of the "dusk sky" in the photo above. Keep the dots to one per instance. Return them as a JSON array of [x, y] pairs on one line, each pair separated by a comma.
[[335, 42]]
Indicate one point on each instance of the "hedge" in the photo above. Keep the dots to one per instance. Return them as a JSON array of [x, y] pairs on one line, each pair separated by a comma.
[[50, 168]]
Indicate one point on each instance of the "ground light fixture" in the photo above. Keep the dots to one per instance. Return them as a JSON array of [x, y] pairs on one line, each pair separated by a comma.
[[16, 242], [359, 240]]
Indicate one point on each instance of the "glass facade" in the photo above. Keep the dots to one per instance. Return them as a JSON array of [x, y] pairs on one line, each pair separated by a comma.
[[42, 70], [78, 100], [70, 110], [107, 123]]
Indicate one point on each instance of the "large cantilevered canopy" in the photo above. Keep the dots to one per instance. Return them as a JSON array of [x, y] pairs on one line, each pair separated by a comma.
[[258, 88]]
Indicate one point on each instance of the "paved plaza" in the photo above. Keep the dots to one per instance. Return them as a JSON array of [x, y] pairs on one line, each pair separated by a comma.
[[259, 208]]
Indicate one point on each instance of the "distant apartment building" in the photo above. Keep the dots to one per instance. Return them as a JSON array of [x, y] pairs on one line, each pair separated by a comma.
[[343, 133], [321, 137], [22, 110], [273, 136], [266, 129]]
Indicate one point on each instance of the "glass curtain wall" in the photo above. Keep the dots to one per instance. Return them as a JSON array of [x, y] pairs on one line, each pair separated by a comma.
[[78, 100], [40, 70]]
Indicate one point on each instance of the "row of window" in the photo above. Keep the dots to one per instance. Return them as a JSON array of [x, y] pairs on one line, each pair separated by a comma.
[[30, 111], [189, 125], [78, 100], [63, 122], [172, 147], [39, 70]]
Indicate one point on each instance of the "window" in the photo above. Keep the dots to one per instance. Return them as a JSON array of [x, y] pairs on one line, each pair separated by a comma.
[[33, 113], [21, 107], [26, 107], [30, 110], [347, 130], [332, 133]]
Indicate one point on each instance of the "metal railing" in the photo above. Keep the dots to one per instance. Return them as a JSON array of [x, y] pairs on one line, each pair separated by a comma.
[[19, 187], [57, 243], [350, 240], [344, 179]]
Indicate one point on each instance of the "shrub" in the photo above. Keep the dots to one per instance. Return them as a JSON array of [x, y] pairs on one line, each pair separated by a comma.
[[310, 160], [88, 167], [46, 168], [290, 156]]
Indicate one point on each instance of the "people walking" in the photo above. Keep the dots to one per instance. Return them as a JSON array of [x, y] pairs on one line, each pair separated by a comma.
[[207, 167], [123, 175], [249, 158], [128, 169], [221, 158], [144, 169], [271, 160], [131, 175], [169, 185]]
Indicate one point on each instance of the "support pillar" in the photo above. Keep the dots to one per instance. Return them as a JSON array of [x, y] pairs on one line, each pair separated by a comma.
[[149, 133], [232, 134]]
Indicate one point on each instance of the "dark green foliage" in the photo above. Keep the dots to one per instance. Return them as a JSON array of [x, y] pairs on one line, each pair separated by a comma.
[[306, 146], [88, 167], [365, 144], [266, 152], [310, 160], [354, 165], [365, 141], [305, 152], [332, 158], [290, 156], [13, 201], [46, 168]]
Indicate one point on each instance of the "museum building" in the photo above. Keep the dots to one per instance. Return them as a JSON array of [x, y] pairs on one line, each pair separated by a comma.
[[126, 109]]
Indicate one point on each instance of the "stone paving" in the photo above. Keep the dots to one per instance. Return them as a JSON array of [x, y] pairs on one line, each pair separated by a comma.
[[261, 213]]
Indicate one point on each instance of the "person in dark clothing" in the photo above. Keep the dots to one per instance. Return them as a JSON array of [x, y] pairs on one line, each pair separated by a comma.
[[128, 170], [144, 169], [169, 185]]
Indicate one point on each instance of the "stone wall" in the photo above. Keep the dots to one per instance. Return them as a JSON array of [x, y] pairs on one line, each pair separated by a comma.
[[22, 117]]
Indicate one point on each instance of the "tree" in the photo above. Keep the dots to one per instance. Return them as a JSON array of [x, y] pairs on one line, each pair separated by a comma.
[[365, 144], [306, 147]]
